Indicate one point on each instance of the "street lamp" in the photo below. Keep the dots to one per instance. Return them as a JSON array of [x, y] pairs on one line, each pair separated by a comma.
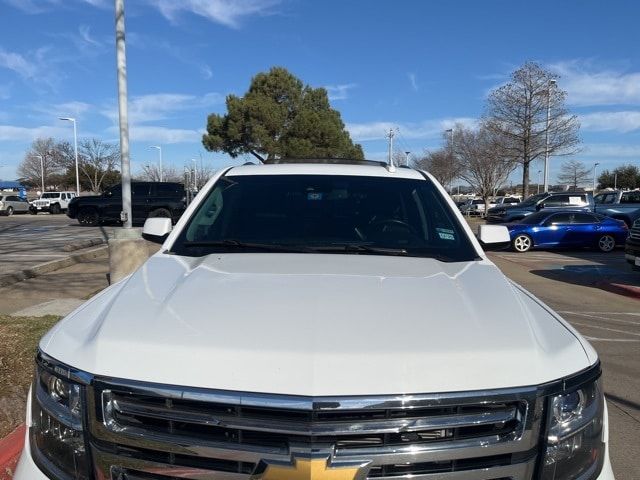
[[159, 148], [546, 136], [539, 172], [195, 174], [75, 147], [450, 131], [41, 169], [595, 167]]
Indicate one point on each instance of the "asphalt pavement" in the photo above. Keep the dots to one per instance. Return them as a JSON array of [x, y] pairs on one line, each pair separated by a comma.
[[576, 285], [29, 240]]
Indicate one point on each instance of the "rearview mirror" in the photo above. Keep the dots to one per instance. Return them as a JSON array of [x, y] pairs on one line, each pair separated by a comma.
[[156, 229], [493, 237]]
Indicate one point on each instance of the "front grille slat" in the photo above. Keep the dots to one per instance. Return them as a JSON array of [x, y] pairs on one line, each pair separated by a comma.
[[411, 424], [164, 432]]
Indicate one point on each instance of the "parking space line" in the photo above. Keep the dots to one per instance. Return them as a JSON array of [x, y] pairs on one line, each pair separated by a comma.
[[622, 340], [606, 328], [626, 322]]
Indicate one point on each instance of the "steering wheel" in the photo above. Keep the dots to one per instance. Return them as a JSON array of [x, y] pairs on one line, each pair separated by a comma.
[[393, 222]]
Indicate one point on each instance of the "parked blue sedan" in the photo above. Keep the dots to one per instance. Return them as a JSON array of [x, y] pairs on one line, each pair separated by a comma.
[[567, 229]]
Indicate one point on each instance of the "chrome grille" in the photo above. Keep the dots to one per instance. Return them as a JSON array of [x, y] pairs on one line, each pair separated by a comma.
[[159, 432]]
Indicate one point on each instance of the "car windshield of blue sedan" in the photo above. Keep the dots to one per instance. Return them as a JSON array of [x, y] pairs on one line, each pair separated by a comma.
[[534, 218], [342, 214]]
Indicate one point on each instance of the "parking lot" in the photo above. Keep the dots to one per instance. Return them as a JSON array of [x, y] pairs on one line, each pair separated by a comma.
[[28, 240], [577, 284]]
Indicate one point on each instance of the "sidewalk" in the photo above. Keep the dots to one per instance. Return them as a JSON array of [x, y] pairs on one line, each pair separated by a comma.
[[58, 292]]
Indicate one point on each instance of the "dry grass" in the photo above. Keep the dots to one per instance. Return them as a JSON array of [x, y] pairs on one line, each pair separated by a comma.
[[19, 338]]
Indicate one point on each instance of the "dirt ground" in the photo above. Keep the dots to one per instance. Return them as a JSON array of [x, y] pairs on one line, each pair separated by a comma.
[[18, 341]]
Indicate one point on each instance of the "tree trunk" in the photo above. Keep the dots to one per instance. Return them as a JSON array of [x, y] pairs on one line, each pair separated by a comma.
[[525, 180]]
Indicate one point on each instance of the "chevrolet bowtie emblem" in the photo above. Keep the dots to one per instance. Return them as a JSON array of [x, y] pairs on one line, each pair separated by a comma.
[[308, 469]]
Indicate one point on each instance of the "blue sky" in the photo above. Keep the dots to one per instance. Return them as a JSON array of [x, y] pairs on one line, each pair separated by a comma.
[[415, 65]]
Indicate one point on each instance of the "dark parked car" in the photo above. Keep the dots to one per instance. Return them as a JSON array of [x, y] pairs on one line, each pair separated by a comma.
[[567, 229], [632, 247], [618, 204], [535, 203], [148, 199]]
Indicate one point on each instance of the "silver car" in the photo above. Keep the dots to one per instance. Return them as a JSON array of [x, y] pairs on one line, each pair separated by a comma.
[[10, 204]]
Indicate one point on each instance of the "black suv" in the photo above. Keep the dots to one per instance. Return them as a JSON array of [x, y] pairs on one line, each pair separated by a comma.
[[148, 199], [548, 201]]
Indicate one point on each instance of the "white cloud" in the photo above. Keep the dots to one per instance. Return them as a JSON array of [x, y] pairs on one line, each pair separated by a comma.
[[623, 122], [160, 106], [413, 80], [339, 92], [610, 150], [162, 135], [206, 71], [11, 133], [427, 129], [588, 85], [18, 63], [225, 12]]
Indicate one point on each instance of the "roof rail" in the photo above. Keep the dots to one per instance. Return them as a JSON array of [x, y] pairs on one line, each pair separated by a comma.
[[328, 161]]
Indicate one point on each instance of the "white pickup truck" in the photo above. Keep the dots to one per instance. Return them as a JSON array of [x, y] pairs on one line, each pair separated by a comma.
[[317, 321]]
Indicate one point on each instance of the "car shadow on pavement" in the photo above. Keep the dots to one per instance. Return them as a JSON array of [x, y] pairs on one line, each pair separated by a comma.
[[600, 270]]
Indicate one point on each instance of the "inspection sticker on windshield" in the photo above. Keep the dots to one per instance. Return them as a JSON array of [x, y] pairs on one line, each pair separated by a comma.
[[445, 234], [314, 196]]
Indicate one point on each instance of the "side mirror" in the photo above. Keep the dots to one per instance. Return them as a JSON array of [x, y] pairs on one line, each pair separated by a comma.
[[494, 237], [540, 206], [156, 229]]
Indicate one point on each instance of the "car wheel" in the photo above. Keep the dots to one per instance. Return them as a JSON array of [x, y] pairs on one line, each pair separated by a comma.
[[33, 211], [9, 211], [522, 243], [606, 243], [88, 217], [55, 209], [160, 212]]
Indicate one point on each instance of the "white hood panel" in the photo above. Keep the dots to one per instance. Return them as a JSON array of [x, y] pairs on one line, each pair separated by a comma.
[[318, 325]]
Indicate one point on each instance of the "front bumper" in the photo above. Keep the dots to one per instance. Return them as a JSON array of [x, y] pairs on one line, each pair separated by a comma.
[[632, 251], [28, 470]]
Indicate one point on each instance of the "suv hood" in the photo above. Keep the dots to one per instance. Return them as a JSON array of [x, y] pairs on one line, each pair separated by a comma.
[[321, 324]]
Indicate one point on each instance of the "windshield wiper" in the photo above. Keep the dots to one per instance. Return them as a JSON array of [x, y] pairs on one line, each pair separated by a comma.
[[237, 244], [359, 248]]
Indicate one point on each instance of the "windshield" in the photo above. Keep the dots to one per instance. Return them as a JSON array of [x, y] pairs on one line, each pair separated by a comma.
[[532, 200], [325, 214], [50, 195]]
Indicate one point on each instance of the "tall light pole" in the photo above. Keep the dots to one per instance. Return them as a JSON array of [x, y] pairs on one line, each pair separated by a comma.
[[450, 132], [75, 148], [195, 174], [546, 136], [121, 60], [159, 148], [41, 169], [539, 172], [595, 167]]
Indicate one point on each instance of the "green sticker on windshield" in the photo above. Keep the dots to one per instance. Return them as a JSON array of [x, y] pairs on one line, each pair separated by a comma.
[[445, 234]]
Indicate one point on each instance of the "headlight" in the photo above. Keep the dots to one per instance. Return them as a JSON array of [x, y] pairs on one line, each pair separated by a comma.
[[575, 447], [56, 432]]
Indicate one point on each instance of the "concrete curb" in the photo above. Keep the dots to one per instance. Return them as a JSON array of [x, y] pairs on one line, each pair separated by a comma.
[[620, 289], [91, 242], [15, 277], [10, 448]]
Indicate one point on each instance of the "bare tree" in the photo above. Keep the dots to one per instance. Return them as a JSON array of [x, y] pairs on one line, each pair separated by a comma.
[[573, 173], [32, 169], [151, 173], [518, 114], [484, 164], [441, 164], [97, 160]]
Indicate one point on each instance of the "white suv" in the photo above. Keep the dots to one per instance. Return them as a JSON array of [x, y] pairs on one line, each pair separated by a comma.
[[52, 202], [327, 321]]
